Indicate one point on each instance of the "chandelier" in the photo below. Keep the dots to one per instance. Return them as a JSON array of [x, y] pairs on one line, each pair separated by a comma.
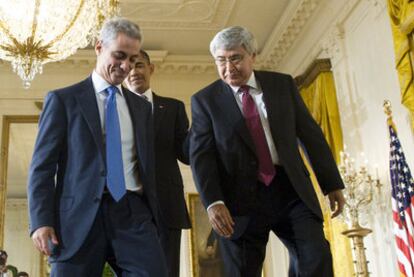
[[36, 32]]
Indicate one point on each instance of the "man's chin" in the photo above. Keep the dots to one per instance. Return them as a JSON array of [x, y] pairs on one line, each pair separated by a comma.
[[118, 79], [136, 83], [234, 82]]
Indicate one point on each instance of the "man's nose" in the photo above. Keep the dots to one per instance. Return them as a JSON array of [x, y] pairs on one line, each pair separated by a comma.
[[127, 65], [229, 66]]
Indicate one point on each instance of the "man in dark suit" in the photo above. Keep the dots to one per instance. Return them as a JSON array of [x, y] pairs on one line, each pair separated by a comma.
[[247, 166], [91, 183], [171, 144]]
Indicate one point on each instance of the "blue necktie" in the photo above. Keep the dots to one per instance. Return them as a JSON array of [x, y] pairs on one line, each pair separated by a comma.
[[115, 176]]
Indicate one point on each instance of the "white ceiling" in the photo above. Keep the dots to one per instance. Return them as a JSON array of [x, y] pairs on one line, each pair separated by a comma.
[[185, 27], [177, 33]]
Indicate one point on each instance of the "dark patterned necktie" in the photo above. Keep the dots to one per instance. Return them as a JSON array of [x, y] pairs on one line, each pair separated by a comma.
[[115, 177], [267, 170]]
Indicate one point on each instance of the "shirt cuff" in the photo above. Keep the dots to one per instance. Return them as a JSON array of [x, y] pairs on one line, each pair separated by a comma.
[[215, 203]]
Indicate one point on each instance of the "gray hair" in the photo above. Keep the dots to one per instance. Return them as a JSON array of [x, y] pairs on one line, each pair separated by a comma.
[[116, 25], [233, 37]]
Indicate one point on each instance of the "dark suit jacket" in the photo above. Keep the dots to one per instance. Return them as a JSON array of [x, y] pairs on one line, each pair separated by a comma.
[[171, 143], [68, 171], [222, 152]]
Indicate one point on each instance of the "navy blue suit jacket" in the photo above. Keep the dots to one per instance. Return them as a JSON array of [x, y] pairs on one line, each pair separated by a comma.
[[68, 171], [222, 152], [171, 144]]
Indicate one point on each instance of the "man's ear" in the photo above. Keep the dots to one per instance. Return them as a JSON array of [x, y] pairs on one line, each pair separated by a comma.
[[152, 68], [98, 47]]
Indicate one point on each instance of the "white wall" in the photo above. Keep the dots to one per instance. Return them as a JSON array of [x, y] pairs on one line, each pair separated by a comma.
[[17, 242], [356, 35]]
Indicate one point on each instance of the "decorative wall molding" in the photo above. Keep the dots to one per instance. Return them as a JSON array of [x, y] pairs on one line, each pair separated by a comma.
[[333, 46], [182, 15], [16, 203], [287, 31], [195, 64], [177, 64], [185, 68]]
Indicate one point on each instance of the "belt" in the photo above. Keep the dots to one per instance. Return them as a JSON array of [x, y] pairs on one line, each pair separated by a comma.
[[106, 191]]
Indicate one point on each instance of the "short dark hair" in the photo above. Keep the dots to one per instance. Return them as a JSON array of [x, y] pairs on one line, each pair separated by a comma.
[[22, 274], [145, 55]]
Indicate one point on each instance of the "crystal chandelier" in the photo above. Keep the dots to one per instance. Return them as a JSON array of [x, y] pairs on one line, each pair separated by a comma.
[[35, 32]]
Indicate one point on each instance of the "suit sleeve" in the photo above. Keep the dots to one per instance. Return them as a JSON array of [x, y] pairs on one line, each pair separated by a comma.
[[318, 150], [203, 154], [47, 152], [181, 139]]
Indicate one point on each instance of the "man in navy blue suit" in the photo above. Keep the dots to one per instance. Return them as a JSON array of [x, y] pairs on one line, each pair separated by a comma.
[[77, 217], [247, 166], [171, 145]]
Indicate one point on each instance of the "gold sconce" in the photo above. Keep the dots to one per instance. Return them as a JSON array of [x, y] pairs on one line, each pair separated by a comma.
[[360, 189]]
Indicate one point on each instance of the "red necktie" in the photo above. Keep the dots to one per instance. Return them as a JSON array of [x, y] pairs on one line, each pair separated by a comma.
[[267, 170]]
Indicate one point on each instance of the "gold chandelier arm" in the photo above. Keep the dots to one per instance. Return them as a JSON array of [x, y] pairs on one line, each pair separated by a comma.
[[6, 31], [69, 26], [34, 21]]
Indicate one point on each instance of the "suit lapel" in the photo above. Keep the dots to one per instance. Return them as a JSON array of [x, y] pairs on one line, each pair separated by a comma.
[[86, 99], [273, 102], [158, 111], [139, 110], [234, 115]]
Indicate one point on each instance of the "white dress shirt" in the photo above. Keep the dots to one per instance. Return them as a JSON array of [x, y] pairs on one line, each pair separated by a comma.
[[129, 153], [148, 95], [257, 94]]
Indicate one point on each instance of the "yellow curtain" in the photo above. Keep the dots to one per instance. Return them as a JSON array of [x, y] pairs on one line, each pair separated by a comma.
[[401, 13], [320, 98]]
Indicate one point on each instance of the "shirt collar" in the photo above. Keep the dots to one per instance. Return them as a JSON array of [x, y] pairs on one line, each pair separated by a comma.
[[100, 84], [251, 83], [147, 94]]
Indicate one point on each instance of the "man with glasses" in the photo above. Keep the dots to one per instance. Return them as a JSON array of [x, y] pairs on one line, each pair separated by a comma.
[[247, 166]]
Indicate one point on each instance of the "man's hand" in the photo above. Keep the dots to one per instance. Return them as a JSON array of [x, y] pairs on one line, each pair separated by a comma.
[[41, 237], [336, 201], [221, 220]]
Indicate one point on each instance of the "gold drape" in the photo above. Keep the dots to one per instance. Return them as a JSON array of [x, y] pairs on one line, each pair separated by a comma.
[[402, 23], [320, 98]]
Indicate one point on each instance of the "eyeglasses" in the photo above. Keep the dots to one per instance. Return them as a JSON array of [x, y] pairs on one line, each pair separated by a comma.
[[234, 60]]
